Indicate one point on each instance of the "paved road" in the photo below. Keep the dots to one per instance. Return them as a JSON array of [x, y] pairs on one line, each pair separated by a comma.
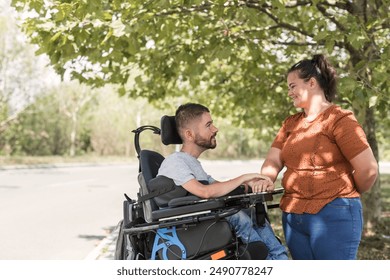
[[60, 212], [64, 212], [68, 212]]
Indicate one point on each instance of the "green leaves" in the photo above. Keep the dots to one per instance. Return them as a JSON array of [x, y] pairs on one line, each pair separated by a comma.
[[235, 52], [118, 28]]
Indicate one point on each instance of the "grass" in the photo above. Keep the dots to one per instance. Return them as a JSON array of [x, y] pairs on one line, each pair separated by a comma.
[[377, 246], [37, 160], [373, 247]]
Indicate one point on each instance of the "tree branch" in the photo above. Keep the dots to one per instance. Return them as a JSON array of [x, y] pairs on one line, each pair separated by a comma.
[[330, 17], [342, 6], [292, 43], [298, 3], [181, 9], [277, 21]]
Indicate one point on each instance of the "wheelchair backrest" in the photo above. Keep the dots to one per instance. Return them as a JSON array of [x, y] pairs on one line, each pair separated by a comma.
[[150, 162]]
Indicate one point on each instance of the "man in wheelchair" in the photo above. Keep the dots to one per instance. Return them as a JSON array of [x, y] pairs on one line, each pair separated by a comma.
[[169, 222], [198, 134]]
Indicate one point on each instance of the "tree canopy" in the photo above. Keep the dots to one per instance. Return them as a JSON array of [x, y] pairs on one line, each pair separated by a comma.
[[231, 55]]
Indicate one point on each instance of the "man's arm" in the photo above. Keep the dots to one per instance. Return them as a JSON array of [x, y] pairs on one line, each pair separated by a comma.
[[218, 189]]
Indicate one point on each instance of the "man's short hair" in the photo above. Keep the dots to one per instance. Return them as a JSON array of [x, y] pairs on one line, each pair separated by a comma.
[[188, 112]]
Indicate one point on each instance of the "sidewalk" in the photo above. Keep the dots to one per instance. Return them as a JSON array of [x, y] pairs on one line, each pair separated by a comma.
[[106, 248]]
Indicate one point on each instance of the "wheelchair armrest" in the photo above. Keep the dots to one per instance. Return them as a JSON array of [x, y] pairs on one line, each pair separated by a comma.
[[182, 201], [277, 191], [199, 206], [164, 190]]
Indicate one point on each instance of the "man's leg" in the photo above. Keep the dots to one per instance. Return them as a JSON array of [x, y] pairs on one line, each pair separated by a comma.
[[243, 227], [248, 232], [276, 250]]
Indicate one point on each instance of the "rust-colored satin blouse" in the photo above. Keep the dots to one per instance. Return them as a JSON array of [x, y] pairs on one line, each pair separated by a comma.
[[316, 155]]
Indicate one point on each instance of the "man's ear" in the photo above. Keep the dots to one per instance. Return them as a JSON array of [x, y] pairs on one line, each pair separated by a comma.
[[189, 134]]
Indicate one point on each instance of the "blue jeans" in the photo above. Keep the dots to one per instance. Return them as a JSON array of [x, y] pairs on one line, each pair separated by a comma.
[[334, 233], [248, 231]]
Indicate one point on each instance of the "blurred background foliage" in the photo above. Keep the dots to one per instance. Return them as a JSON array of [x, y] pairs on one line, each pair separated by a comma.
[[43, 116], [103, 128], [229, 55]]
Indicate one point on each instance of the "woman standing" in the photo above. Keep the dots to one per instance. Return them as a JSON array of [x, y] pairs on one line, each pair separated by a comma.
[[329, 163]]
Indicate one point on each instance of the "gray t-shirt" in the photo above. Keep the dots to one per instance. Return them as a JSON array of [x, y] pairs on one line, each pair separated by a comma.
[[182, 167]]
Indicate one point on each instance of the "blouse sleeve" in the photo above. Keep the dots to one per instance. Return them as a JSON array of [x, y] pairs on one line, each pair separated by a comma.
[[349, 135], [280, 137]]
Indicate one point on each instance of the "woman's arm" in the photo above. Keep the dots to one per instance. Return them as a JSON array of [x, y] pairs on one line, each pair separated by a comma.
[[270, 168], [272, 164], [365, 170]]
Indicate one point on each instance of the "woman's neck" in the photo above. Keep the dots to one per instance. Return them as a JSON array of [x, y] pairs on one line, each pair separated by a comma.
[[316, 109]]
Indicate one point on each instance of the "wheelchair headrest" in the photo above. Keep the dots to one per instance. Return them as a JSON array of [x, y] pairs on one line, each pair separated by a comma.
[[169, 134]]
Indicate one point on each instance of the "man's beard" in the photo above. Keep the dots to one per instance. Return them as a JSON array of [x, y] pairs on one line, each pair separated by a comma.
[[206, 143]]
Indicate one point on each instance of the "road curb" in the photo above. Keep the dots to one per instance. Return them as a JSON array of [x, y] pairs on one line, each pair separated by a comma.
[[105, 250]]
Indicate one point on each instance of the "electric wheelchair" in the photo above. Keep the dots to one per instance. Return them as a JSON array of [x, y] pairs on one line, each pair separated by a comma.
[[166, 222]]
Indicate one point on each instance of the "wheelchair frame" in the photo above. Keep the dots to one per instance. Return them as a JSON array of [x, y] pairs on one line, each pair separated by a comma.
[[190, 227]]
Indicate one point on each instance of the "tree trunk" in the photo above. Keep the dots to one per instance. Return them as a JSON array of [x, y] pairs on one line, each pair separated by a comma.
[[372, 199], [73, 134]]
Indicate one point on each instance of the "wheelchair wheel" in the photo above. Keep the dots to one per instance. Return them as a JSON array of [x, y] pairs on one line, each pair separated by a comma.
[[120, 248]]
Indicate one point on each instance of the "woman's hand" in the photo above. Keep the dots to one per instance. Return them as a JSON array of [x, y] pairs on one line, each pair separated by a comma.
[[261, 184]]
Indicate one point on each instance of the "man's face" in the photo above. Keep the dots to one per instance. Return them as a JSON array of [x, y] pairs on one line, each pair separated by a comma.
[[206, 132]]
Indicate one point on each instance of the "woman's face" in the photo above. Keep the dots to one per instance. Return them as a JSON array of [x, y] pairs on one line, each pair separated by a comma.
[[298, 90]]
